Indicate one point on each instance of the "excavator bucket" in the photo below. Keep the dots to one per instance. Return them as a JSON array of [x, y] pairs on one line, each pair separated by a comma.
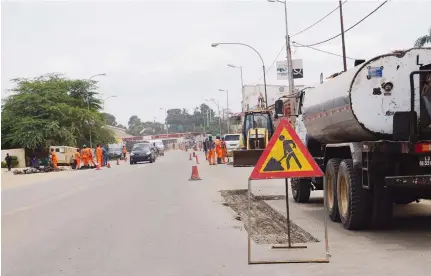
[[246, 158]]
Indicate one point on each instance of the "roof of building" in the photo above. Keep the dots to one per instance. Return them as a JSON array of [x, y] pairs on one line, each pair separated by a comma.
[[118, 132]]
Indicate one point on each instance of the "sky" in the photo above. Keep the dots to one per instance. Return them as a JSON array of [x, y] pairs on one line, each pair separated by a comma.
[[158, 54]]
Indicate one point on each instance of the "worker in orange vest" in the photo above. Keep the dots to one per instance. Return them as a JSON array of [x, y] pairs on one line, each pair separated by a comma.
[[77, 159], [91, 157], [54, 159], [124, 152], [211, 154], [218, 149], [223, 151], [85, 156], [99, 155]]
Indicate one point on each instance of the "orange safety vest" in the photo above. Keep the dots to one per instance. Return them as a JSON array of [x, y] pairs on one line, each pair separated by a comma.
[[85, 153], [54, 158]]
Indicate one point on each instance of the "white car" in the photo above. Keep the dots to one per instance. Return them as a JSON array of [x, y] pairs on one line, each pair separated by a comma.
[[232, 142]]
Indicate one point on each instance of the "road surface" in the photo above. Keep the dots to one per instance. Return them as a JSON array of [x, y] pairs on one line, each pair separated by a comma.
[[148, 219], [144, 219]]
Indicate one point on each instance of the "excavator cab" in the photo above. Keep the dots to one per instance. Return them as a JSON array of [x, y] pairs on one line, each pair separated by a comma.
[[257, 130]]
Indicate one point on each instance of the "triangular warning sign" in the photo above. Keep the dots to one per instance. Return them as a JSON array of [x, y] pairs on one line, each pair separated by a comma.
[[285, 156]]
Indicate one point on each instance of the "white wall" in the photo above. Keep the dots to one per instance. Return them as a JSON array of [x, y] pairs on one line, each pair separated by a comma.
[[20, 153]]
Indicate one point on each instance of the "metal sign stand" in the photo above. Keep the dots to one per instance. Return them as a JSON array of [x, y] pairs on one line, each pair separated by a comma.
[[289, 245]]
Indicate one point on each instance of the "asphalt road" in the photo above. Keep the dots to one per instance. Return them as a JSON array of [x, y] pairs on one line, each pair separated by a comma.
[[145, 219]]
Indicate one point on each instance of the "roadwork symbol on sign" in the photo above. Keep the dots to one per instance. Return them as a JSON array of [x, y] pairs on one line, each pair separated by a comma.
[[285, 157]]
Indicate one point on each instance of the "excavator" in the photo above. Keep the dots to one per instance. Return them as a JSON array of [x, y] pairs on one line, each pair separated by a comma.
[[257, 130]]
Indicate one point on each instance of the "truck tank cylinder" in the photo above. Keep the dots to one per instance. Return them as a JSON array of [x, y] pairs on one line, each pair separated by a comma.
[[359, 104]]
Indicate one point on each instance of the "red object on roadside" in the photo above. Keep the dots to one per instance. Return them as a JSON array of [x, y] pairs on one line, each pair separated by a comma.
[[195, 173]]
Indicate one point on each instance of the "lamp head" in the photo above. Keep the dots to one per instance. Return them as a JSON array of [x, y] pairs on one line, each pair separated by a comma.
[[214, 44]]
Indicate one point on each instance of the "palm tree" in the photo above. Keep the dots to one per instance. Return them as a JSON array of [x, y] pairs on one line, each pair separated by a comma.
[[421, 41]]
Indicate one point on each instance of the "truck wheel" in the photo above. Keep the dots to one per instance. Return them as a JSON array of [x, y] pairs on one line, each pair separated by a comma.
[[330, 188], [301, 189], [353, 201]]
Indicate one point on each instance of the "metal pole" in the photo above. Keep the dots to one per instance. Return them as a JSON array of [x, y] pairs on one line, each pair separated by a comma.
[[166, 122], [242, 81], [287, 213], [249, 227], [88, 108], [289, 67], [342, 37], [88, 103], [264, 84], [219, 117], [227, 111]]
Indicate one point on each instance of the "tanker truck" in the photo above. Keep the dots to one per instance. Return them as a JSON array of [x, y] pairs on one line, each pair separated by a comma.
[[369, 129]]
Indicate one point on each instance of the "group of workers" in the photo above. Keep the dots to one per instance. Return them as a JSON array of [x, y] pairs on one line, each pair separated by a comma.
[[215, 151], [85, 155]]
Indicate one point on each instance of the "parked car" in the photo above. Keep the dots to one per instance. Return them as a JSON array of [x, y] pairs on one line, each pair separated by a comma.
[[232, 143], [142, 152], [160, 147]]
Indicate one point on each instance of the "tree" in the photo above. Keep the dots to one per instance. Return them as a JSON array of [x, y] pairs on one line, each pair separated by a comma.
[[135, 126], [421, 41], [109, 119], [51, 110]]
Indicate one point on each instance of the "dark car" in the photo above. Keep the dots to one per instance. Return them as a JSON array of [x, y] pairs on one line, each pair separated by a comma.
[[142, 152], [114, 152]]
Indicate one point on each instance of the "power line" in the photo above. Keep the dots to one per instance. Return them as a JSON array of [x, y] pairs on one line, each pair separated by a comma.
[[319, 50], [272, 64], [356, 24], [318, 21], [300, 32]]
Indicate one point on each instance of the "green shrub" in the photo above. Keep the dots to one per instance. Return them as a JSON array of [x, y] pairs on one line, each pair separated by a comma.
[[15, 162]]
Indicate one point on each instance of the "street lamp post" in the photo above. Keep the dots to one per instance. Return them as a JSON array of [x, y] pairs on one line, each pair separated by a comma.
[[263, 63], [113, 96], [289, 60], [242, 82], [227, 108], [88, 103], [166, 121], [218, 110]]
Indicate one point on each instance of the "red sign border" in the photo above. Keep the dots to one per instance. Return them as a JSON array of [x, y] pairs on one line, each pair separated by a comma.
[[284, 124]]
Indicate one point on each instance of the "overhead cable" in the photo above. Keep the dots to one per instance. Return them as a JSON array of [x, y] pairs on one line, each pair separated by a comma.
[[318, 21], [356, 24], [319, 50]]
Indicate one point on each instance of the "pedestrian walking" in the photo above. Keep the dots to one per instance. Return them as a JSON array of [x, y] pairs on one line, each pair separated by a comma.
[[8, 160], [77, 159], [205, 145], [105, 150], [54, 159], [99, 155]]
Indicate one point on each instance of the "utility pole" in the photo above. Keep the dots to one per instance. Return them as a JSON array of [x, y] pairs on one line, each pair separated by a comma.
[[342, 36], [292, 100]]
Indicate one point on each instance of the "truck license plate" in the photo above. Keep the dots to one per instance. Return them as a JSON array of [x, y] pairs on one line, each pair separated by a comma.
[[425, 161]]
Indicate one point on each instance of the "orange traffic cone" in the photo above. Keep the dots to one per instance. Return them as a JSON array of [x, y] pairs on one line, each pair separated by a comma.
[[118, 161], [195, 173], [98, 167], [109, 165], [190, 157], [197, 160]]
